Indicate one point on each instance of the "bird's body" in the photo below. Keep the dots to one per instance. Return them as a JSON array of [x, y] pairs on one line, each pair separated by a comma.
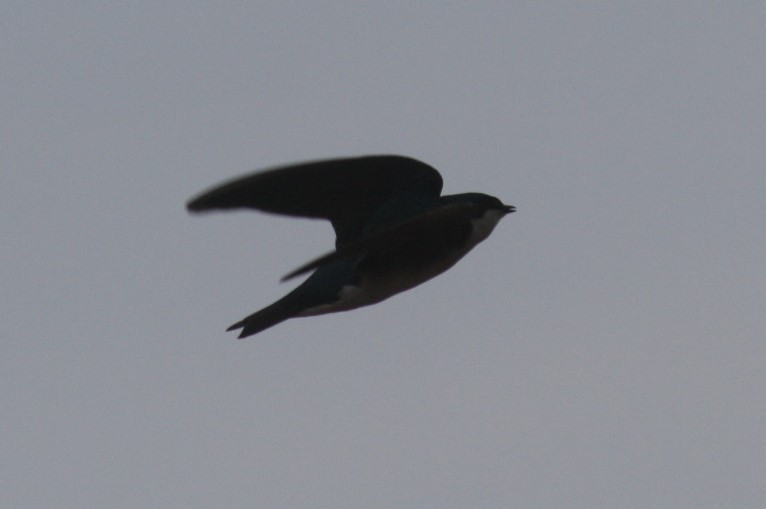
[[394, 231]]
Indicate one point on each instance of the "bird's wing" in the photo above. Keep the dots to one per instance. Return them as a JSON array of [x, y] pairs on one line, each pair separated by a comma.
[[345, 191], [441, 228]]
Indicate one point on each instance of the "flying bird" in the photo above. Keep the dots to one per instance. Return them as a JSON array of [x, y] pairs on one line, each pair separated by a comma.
[[393, 229]]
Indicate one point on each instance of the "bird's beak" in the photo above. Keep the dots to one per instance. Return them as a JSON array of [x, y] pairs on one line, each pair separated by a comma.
[[508, 209]]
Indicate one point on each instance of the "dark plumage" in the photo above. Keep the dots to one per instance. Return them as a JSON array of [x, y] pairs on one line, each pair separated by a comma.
[[393, 229]]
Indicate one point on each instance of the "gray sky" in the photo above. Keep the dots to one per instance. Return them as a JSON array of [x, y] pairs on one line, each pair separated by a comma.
[[605, 347]]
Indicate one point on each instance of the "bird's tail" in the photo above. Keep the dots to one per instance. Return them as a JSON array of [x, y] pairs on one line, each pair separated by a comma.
[[267, 317]]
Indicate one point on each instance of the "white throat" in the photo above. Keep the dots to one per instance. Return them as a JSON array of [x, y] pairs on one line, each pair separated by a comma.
[[483, 226]]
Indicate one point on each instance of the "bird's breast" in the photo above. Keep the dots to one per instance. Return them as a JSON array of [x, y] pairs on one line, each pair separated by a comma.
[[385, 280]]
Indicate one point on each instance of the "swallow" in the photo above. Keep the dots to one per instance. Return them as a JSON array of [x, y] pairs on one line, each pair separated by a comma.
[[393, 229]]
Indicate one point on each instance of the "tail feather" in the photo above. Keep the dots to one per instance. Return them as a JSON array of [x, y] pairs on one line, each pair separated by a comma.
[[265, 318], [321, 288]]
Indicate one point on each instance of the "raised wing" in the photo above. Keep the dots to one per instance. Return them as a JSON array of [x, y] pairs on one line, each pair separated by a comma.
[[345, 191]]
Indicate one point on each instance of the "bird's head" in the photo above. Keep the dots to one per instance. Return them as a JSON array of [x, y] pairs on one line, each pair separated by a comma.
[[484, 201]]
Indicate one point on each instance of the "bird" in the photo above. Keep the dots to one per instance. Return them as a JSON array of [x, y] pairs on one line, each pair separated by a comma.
[[394, 230]]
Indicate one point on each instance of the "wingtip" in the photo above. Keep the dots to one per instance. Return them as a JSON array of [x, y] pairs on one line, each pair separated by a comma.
[[292, 275], [195, 205]]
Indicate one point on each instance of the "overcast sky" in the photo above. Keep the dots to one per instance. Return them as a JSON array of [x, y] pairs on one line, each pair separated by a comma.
[[605, 347]]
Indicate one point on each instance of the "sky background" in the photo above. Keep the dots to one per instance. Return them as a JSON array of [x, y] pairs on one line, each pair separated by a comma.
[[605, 347]]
